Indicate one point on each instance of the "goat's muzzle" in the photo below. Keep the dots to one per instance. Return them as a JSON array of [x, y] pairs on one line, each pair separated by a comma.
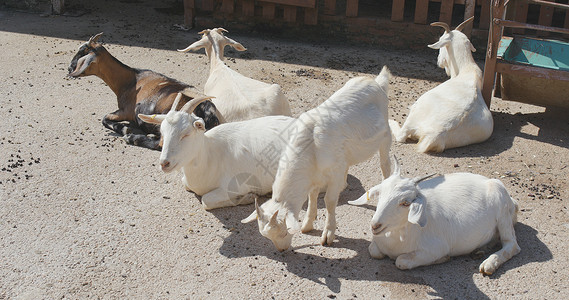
[[377, 228]]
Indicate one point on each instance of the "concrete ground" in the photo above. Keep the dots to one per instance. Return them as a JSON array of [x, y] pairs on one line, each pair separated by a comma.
[[83, 215]]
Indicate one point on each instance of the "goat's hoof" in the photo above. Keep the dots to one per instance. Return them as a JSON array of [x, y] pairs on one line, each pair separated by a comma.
[[307, 227], [489, 266], [327, 237], [374, 251]]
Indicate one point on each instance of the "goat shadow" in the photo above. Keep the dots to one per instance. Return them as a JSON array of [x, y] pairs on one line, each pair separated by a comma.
[[247, 242], [552, 126]]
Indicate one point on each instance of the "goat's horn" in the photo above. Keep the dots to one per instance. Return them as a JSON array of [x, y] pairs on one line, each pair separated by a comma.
[[396, 167], [221, 30], [441, 24], [424, 178], [205, 31], [94, 38], [176, 102], [192, 104], [463, 24]]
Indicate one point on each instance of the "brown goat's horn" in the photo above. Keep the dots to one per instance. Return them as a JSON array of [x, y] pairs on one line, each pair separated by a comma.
[[94, 38], [443, 25], [176, 102], [463, 24], [192, 104], [221, 30]]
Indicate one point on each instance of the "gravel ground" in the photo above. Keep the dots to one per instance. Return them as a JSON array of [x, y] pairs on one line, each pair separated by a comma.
[[83, 215]]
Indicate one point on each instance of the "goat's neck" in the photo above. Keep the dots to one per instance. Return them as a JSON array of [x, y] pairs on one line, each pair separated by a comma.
[[115, 74], [215, 57], [460, 59]]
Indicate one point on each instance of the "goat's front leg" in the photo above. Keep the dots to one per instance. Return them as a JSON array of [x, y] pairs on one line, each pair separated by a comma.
[[112, 122], [436, 253], [311, 211], [374, 250], [335, 186], [216, 199]]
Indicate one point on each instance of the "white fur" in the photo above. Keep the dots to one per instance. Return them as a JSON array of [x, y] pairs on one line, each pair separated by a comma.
[[453, 114], [237, 97], [419, 223], [218, 163], [346, 129]]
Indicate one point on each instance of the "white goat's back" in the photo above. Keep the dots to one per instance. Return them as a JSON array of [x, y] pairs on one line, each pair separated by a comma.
[[472, 204]]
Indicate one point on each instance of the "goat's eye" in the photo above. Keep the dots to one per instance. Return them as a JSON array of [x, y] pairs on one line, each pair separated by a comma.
[[405, 203]]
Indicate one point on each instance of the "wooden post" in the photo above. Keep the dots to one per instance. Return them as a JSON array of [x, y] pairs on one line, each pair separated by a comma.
[[397, 10], [446, 11], [352, 8], [189, 6], [498, 9], [57, 6], [289, 14], [248, 8], [469, 7], [330, 7], [421, 11]]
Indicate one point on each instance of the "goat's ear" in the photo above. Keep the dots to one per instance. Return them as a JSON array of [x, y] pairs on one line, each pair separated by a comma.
[[152, 119], [235, 44], [250, 218], [82, 64], [366, 198], [471, 47], [417, 214], [199, 124], [438, 45], [202, 43]]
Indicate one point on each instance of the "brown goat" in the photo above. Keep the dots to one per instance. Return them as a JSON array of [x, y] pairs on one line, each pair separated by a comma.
[[138, 92]]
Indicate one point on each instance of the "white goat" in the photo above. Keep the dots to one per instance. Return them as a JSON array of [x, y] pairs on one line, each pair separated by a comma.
[[237, 97], [453, 114], [344, 130], [225, 163], [420, 222]]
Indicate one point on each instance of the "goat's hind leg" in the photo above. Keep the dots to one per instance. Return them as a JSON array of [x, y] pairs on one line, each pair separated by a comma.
[[509, 247], [113, 121], [335, 187]]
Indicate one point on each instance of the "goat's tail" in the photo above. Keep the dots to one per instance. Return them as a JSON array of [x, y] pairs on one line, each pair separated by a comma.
[[383, 79]]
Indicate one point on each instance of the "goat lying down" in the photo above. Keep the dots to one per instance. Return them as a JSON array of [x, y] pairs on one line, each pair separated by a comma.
[[237, 97], [344, 130], [420, 222], [453, 114], [228, 164], [137, 91]]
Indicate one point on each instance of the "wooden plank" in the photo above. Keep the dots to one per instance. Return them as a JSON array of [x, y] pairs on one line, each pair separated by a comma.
[[514, 24], [352, 8], [566, 25], [227, 6], [189, 13], [421, 11], [521, 15], [469, 12], [207, 5], [248, 8], [289, 14], [544, 73], [545, 18], [397, 10], [446, 11], [311, 16], [268, 10], [330, 7], [484, 14], [301, 3]]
